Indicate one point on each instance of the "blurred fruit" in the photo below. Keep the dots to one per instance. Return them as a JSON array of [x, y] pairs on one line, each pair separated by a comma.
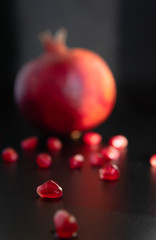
[[64, 89]]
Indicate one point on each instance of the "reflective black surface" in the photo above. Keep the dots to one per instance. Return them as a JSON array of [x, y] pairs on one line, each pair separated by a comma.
[[123, 32], [124, 209]]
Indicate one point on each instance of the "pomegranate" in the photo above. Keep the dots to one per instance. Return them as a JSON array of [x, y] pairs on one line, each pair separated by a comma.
[[65, 90]]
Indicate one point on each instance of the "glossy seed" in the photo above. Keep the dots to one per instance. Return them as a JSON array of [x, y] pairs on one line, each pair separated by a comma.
[[49, 189], [153, 160], [76, 161], [9, 155], [92, 138], [109, 172], [29, 143], [119, 142], [43, 160], [54, 144], [110, 153], [96, 159], [65, 224]]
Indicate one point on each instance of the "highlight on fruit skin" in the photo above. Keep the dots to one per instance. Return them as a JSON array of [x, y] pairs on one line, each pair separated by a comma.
[[65, 89]]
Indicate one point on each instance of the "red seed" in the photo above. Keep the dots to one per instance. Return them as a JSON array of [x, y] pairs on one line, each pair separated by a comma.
[[110, 153], [119, 142], [44, 160], [92, 138], [109, 172], [9, 155], [153, 160], [96, 159], [49, 189], [54, 144], [65, 224], [76, 161], [29, 143]]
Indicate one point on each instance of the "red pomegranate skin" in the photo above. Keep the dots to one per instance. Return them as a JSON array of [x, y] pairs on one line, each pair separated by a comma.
[[65, 90]]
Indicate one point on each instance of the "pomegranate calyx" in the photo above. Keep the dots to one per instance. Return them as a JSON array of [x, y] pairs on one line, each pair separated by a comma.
[[54, 43]]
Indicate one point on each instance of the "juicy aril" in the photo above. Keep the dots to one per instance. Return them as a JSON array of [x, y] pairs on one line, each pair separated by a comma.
[[65, 89]]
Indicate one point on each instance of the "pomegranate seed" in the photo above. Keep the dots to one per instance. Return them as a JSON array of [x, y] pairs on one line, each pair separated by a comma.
[[92, 138], [29, 143], [9, 155], [96, 159], [44, 160], [49, 189], [110, 153], [109, 172], [76, 161], [153, 160], [65, 224], [54, 144], [119, 142], [75, 135]]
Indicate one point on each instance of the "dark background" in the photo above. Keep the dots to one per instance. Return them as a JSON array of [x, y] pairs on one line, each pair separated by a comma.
[[123, 33]]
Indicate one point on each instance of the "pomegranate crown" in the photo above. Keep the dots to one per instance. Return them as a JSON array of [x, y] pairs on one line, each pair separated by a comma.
[[54, 43]]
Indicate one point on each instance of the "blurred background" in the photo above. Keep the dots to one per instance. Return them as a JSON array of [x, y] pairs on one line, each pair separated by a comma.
[[123, 32]]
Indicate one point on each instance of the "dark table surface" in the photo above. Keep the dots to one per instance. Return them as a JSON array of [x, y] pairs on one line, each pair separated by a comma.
[[124, 209]]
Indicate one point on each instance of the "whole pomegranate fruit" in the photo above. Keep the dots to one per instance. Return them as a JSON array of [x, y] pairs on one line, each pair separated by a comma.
[[65, 89]]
